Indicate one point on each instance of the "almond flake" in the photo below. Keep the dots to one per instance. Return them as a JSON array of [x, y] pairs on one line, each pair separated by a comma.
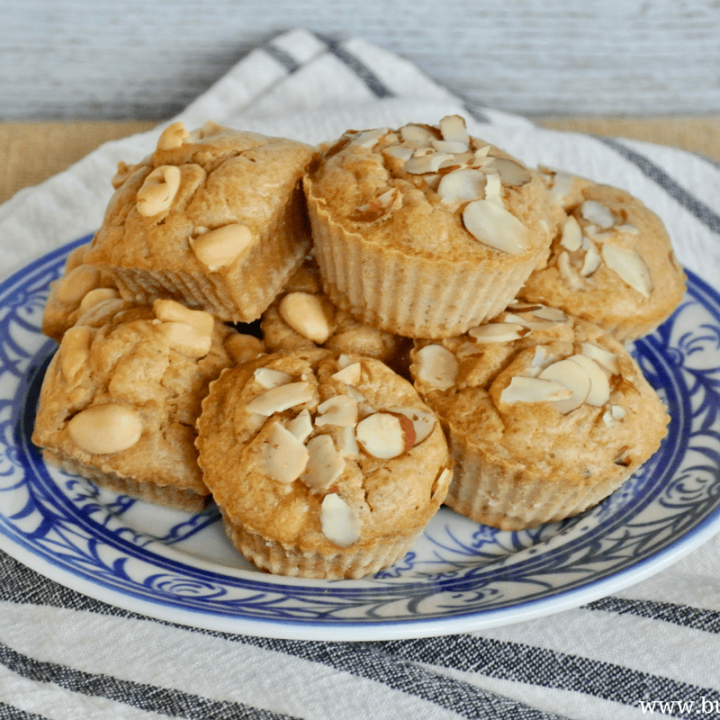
[[495, 227], [437, 367], [281, 398], [449, 146], [339, 522], [606, 359], [339, 410], [384, 435], [416, 136], [346, 442], [566, 271], [454, 129], [369, 138], [574, 378], [269, 378], [426, 163], [599, 386], [595, 212], [284, 457], [627, 229], [562, 184], [630, 267], [531, 390], [511, 172], [498, 332], [591, 262], [325, 464], [350, 374], [461, 186], [423, 421], [493, 189], [401, 152], [552, 314], [301, 426], [571, 235]]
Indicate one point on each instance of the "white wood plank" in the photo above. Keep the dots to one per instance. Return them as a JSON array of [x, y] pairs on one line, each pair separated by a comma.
[[134, 59]]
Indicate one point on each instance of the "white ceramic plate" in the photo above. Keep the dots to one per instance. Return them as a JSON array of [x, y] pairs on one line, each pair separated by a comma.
[[460, 576]]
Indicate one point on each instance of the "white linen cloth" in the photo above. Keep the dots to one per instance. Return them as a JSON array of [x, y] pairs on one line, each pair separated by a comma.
[[64, 655]]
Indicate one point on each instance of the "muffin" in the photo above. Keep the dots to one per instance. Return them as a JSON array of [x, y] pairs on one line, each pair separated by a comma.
[[323, 465], [424, 231], [303, 317], [545, 415], [214, 219], [120, 399], [80, 286], [611, 262]]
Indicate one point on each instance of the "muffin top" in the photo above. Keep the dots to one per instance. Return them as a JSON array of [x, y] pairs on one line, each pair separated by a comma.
[[201, 201], [124, 390], [320, 450], [432, 191], [611, 261], [541, 391]]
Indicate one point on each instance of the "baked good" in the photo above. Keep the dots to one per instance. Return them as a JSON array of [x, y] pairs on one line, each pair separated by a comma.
[[424, 231], [120, 398], [302, 316], [323, 465], [545, 414], [611, 263], [214, 219], [80, 286]]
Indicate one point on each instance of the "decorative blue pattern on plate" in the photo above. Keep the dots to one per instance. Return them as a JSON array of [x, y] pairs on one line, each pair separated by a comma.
[[460, 575]]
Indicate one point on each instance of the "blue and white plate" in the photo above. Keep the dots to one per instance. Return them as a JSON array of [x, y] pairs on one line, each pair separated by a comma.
[[460, 576]]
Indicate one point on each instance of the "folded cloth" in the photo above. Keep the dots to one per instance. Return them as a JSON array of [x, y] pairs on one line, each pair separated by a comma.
[[651, 647]]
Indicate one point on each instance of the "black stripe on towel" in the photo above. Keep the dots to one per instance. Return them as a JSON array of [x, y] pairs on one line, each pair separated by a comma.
[[283, 57], [7, 712], [683, 615], [547, 668], [696, 207], [359, 68], [149, 698]]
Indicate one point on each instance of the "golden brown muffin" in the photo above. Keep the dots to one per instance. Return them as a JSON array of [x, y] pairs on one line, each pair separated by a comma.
[[214, 219], [121, 397], [545, 414], [424, 231], [323, 465], [80, 286], [302, 317], [612, 261]]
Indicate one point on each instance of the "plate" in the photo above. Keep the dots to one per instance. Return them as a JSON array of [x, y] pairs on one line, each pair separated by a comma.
[[459, 576]]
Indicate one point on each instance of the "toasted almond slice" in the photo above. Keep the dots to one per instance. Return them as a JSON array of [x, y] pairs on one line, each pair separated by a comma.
[[562, 184], [495, 227], [511, 172], [566, 271], [325, 464], [449, 146], [423, 421], [592, 261], [301, 426], [284, 457], [573, 376], [532, 390], [385, 435], [571, 235], [437, 367], [630, 267], [339, 522], [597, 213], [269, 378], [304, 313], [606, 359], [599, 386], [350, 374], [420, 165], [454, 129], [416, 135], [346, 442], [369, 138], [498, 332], [546, 312], [281, 398], [627, 229], [461, 186], [401, 152], [339, 410], [493, 188]]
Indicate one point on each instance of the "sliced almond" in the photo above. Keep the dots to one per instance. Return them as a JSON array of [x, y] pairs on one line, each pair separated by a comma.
[[626, 229], [591, 262], [493, 189], [401, 152], [462, 186], [599, 386], [416, 135], [325, 464], [532, 390], [301, 426], [304, 313], [511, 172], [498, 332], [339, 522], [422, 164], [454, 129], [339, 410], [346, 442], [437, 367], [281, 398], [495, 227], [269, 378], [567, 273], [597, 213], [350, 374], [631, 268], [284, 457], [369, 138], [385, 435], [423, 421], [574, 378], [562, 185], [606, 359], [546, 312], [449, 146], [571, 235]]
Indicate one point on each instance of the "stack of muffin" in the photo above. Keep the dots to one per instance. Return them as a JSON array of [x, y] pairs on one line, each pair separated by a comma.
[[332, 342]]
